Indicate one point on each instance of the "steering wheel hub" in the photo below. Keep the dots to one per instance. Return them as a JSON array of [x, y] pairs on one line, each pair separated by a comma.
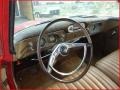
[[64, 50]]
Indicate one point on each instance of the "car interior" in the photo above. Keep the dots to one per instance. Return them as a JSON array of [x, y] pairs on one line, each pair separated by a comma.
[[77, 52]]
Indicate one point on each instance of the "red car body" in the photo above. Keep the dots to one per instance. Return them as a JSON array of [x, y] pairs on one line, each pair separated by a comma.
[[5, 55]]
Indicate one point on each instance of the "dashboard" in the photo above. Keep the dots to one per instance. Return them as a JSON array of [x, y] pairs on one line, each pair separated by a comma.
[[26, 40], [28, 46]]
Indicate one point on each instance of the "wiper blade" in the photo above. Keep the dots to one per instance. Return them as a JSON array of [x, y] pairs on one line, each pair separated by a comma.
[[77, 16], [84, 16]]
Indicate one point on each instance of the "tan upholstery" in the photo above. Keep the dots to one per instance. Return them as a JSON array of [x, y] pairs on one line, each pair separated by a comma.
[[3, 74], [94, 79], [5, 85], [100, 77], [109, 65]]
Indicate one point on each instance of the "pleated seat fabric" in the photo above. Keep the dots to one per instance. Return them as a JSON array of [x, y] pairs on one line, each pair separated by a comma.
[[109, 65], [94, 79]]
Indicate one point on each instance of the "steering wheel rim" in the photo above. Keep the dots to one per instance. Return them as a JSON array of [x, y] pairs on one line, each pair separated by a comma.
[[40, 57]]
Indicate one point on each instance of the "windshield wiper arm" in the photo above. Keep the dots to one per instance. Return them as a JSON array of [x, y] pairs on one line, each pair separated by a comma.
[[43, 22]]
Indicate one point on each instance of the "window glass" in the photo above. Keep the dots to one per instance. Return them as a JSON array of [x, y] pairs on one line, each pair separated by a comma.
[[46, 10]]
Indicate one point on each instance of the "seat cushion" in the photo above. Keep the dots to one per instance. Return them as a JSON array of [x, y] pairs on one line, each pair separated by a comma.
[[94, 79], [109, 65]]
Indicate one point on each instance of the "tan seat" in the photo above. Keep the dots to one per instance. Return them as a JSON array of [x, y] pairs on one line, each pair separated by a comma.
[[109, 65], [94, 79], [3, 77], [100, 77]]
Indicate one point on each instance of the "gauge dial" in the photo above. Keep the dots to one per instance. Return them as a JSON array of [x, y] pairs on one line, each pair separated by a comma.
[[70, 28], [91, 27], [42, 42], [52, 38], [82, 24]]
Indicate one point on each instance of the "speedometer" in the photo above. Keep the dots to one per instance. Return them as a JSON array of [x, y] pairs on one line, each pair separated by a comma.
[[52, 38]]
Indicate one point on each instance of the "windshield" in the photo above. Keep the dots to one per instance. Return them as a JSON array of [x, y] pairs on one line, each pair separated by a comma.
[[55, 9], [46, 10]]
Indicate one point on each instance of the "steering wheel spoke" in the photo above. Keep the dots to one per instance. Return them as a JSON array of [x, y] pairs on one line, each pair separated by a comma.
[[53, 59]]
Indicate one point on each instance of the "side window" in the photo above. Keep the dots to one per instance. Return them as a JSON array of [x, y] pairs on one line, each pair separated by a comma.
[[17, 9]]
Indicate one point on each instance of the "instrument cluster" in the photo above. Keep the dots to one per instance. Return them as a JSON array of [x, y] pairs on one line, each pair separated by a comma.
[[53, 38], [72, 32]]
